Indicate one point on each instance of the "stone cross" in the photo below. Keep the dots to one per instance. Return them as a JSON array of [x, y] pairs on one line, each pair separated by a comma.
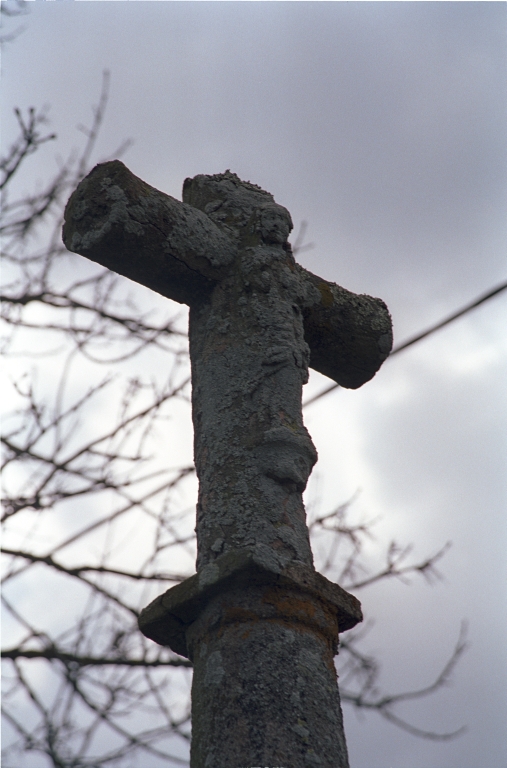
[[258, 622]]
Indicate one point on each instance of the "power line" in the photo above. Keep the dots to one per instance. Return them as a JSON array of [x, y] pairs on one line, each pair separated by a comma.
[[484, 297]]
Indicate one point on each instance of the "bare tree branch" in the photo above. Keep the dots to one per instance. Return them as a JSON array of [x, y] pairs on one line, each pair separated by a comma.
[[86, 661], [92, 519], [368, 697]]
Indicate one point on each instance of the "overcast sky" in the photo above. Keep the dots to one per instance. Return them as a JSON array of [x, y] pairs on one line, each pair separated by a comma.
[[383, 125]]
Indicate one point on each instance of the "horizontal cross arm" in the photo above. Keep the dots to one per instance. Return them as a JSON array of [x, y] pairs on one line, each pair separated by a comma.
[[349, 335], [120, 222]]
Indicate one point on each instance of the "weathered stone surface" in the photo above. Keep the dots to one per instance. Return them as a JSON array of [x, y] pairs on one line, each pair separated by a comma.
[[167, 619], [121, 222], [260, 625], [182, 250], [262, 643], [264, 691]]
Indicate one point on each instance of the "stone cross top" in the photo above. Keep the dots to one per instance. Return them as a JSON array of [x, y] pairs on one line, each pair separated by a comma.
[[258, 622]]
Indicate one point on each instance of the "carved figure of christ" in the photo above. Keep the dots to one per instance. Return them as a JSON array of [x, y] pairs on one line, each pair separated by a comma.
[[257, 321]]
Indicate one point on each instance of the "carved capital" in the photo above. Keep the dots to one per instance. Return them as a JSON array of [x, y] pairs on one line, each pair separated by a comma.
[[247, 586]]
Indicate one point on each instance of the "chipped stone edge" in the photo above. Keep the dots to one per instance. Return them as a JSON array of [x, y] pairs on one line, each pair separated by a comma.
[[168, 617]]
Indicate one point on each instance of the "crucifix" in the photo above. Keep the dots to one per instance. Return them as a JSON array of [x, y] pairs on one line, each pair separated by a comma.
[[259, 624]]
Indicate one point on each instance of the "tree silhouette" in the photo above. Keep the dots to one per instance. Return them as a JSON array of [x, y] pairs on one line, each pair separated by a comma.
[[97, 519]]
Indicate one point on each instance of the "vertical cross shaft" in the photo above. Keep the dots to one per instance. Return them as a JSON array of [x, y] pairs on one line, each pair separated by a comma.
[[249, 362], [260, 625]]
